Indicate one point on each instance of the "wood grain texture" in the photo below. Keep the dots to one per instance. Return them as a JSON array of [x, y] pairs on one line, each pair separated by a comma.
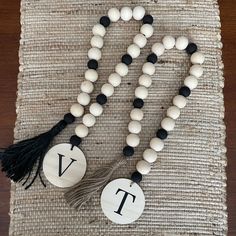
[[9, 38], [122, 202], [71, 165]]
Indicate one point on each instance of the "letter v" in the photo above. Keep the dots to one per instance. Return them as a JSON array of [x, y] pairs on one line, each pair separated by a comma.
[[60, 164]]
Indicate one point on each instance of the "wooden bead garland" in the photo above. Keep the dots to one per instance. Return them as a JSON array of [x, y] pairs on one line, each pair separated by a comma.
[[19, 160], [114, 79], [121, 69], [156, 144], [143, 167], [179, 101], [150, 155]]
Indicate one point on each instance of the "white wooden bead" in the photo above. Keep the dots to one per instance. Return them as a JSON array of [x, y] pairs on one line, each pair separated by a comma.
[[197, 58], [89, 120], [99, 30], [179, 101], [168, 124], [145, 80], [77, 110], [147, 30], [126, 13], [148, 68], [168, 42], [132, 140], [181, 43], [191, 82], [150, 155], [143, 167], [196, 70], [96, 109], [173, 112], [114, 79], [141, 92], [134, 127], [107, 89], [140, 40], [136, 114], [91, 75], [83, 99], [156, 144], [94, 53], [122, 69], [81, 130], [158, 49], [114, 14], [86, 86], [138, 13], [96, 41], [133, 50]]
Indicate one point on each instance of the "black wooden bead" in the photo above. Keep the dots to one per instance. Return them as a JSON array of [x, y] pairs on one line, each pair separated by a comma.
[[92, 64], [191, 48], [161, 134], [75, 140], [128, 151], [105, 21], [152, 58], [69, 118], [127, 59], [101, 99], [185, 91], [147, 19], [138, 103], [136, 177]]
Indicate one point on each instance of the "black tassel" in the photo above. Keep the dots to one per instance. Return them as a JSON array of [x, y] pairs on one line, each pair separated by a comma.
[[19, 159]]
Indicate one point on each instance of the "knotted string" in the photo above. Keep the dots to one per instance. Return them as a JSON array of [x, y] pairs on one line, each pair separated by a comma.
[[80, 193]]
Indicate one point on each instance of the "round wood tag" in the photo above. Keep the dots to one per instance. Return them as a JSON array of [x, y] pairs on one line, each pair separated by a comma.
[[64, 166], [122, 201]]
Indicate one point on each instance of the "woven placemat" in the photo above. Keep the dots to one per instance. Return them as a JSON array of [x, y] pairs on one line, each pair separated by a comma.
[[185, 191]]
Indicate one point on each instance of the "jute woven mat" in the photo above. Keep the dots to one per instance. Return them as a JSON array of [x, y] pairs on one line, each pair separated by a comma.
[[185, 191]]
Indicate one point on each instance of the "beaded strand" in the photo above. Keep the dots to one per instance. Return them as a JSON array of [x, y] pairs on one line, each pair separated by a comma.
[[82, 192], [114, 79], [156, 144]]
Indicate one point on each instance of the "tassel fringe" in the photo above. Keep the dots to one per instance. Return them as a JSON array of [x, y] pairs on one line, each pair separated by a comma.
[[19, 159], [80, 193]]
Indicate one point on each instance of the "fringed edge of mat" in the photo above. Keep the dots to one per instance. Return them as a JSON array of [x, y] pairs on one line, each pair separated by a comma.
[[17, 123], [223, 126]]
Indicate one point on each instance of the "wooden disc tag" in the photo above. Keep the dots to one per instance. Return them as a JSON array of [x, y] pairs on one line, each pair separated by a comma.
[[122, 201], [63, 166]]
